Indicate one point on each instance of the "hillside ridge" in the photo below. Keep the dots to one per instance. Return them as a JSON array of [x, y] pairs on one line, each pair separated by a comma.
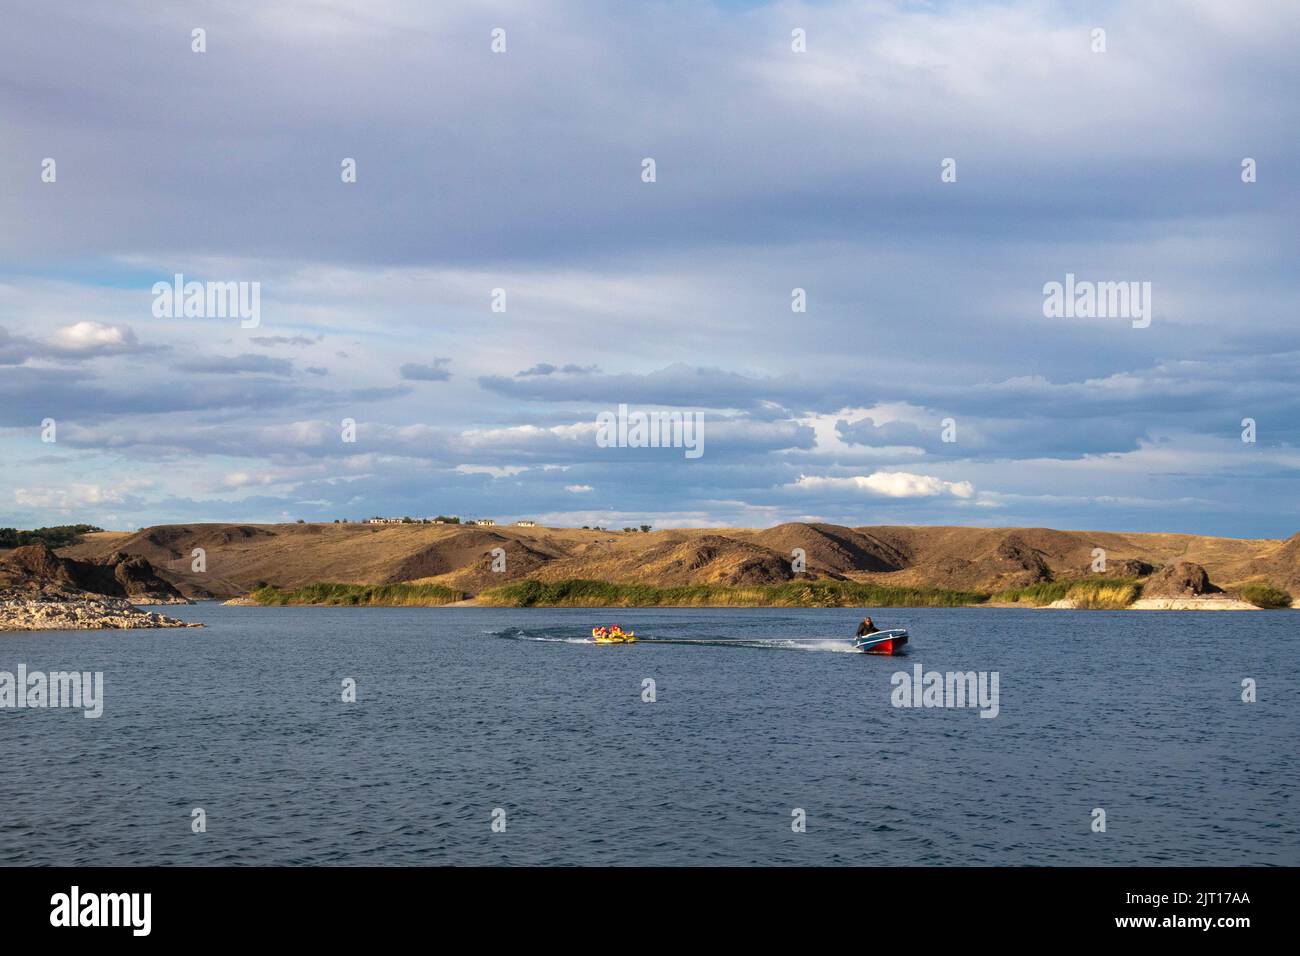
[[237, 558]]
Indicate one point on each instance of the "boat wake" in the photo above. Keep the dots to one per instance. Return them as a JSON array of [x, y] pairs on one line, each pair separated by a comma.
[[837, 645], [543, 635]]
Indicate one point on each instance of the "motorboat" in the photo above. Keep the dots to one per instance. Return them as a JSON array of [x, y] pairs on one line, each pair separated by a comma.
[[881, 642]]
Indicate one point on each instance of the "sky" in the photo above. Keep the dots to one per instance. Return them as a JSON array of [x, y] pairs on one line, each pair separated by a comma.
[[920, 170]]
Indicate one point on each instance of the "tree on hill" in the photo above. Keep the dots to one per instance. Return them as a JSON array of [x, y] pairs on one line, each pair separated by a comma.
[[58, 536]]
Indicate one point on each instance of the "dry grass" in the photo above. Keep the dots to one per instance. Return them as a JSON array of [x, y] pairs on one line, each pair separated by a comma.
[[1098, 594], [1105, 597]]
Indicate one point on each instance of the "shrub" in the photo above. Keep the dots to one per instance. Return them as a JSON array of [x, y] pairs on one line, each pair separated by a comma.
[[1265, 596], [588, 593], [359, 595], [58, 536]]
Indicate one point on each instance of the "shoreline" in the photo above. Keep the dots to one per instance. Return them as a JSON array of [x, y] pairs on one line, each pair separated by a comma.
[[81, 614], [26, 615], [1148, 604]]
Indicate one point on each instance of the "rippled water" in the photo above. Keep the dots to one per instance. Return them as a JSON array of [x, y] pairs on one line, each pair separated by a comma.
[[758, 712]]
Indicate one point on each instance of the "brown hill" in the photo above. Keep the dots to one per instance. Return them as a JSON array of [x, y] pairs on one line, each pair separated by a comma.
[[989, 558], [118, 575], [239, 556], [831, 548], [474, 563], [1279, 566], [680, 558]]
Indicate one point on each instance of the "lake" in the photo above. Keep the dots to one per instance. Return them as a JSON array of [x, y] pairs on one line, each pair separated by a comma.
[[760, 718]]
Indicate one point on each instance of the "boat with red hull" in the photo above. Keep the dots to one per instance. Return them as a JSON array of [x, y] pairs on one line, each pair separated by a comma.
[[881, 642]]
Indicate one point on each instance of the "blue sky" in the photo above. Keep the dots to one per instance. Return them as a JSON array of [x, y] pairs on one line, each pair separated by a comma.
[[775, 170]]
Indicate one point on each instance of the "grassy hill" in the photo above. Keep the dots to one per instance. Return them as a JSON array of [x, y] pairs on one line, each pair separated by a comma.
[[889, 564]]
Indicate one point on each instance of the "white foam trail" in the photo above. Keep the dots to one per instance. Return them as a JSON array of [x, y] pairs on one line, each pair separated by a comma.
[[836, 645], [832, 644], [839, 646]]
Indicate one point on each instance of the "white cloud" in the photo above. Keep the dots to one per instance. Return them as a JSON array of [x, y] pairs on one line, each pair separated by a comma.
[[93, 336], [579, 489], [890, 484], [496, 471], [78, 495], [526, 435]]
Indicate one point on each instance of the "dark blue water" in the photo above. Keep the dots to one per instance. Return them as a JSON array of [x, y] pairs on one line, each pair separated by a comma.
[[462, 711]]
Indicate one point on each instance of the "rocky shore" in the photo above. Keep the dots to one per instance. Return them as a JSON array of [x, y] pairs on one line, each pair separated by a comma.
[[40, 591], [1183, 586], [1212, 603], [1218, 602], [56, 609]]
